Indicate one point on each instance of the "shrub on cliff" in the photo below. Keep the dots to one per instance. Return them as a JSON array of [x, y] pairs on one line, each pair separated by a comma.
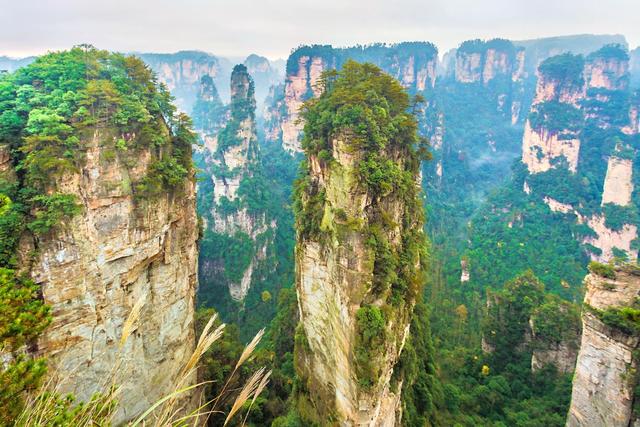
[[370, 330], [566, 68], [23, 316], [602, 270]]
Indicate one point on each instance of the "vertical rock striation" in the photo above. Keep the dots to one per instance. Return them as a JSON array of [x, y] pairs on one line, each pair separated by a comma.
[[606, 372], [300, 84], [358, 257], [93, 271], [478, 61]]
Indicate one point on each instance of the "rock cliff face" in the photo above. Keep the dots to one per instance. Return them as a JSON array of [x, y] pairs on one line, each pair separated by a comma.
[[562, 355], [523, 318], [413, 64], [235, 153], [607, 77], [542, 147], [299, 86], [332, 283], [478, 61], [231, 163], [551, 128], [605, 376], [607, 239], [209, 114], [132, 236], [351, 334], [618, 183], [183, 71], [6, 166], [275, 113], [608, 72], [537, 50], [105, 260]]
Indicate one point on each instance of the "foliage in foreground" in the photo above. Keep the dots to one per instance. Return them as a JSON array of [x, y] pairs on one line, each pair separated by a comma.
[[46, 406]]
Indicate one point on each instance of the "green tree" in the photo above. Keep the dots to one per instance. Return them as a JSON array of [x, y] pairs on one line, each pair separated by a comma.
[[23, 316]]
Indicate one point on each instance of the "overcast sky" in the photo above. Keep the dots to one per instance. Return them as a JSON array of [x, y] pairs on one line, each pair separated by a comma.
[[273, 27]]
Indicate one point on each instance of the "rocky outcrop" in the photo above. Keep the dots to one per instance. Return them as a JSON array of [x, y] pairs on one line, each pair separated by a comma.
[[96, 268], [235, 150], [497, 60], [551, 130], [607, 78], [464, 273], [231, 158], [537, 50], [551, 89], [555, 335], [468, 67], [209, 114], [124, 236], [519, 69], [275, 112], [118, 251], [572, 95], [605, 376], [6, 166], [562, 355], [413, 64], [113, 232], [557, 206], [333, 282], [351, 335]]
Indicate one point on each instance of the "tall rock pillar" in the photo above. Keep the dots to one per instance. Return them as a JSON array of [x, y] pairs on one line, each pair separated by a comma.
[[360, 248]]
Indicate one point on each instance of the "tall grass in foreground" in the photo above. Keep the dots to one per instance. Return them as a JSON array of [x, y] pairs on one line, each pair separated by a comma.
[[48, 407]]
